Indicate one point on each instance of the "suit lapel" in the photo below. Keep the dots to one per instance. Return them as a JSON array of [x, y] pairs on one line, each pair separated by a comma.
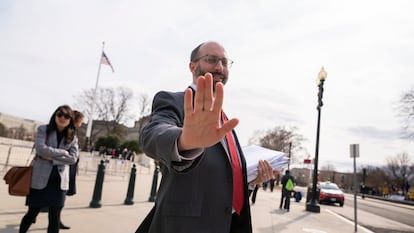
[[225, 147]]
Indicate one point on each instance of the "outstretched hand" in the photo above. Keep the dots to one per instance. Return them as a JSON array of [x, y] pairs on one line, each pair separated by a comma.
[[202, 122]]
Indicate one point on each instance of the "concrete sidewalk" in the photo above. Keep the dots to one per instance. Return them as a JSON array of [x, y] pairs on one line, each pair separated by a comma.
[[115, 217]]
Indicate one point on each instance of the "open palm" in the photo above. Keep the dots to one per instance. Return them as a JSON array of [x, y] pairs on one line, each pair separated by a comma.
[[202, 122]]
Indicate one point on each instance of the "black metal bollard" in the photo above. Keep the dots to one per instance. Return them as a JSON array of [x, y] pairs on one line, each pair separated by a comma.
[[153, 194], [131, 186], [97, 192]]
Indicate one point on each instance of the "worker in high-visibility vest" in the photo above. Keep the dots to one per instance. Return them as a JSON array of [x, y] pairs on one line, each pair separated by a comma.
[[385, 191]]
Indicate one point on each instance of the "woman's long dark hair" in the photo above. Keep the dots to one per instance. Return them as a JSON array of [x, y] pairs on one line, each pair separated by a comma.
[[69, 130]]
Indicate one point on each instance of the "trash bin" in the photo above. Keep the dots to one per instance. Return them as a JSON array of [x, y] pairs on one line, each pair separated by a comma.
[[309, 194]]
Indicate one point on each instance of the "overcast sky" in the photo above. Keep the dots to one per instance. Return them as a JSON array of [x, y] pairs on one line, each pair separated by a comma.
[[50, 51]]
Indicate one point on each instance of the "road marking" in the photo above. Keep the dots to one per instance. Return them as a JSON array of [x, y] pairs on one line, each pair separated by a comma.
[[312, 230], [350, 222]]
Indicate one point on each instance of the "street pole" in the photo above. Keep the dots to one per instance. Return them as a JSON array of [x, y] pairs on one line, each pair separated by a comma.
[[355, 197], [90, 117], [290, 148], [313, 205], [354, 152]]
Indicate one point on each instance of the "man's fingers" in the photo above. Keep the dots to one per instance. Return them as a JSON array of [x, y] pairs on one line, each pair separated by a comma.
[[204, 93], [199, 96], [218, 97], [265, 170], [229, 125], [208, 93], [188, 101]]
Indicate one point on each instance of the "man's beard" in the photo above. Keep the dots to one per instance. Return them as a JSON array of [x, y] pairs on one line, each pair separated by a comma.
[[200, 72]]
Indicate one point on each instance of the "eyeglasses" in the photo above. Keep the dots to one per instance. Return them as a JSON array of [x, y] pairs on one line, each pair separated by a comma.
[[61, 114], [213, 60]]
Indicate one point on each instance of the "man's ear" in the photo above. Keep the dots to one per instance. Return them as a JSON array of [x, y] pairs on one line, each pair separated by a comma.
[[192, 67]]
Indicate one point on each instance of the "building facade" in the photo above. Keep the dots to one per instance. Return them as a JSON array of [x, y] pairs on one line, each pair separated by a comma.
[[19, 128]]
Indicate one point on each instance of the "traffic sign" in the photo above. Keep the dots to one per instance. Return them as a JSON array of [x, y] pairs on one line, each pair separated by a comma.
[[354, 150]]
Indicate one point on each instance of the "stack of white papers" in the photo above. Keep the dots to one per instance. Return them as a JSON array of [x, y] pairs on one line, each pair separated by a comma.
[[253, 153]]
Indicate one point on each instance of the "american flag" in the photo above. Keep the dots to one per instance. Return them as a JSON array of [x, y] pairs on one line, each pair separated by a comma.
[[105, 61]]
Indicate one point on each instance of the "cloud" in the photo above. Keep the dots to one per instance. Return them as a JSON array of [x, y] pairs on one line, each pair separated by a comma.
[[374, 133]]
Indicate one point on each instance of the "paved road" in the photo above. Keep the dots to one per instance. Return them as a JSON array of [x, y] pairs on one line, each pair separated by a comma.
[[377, 215]]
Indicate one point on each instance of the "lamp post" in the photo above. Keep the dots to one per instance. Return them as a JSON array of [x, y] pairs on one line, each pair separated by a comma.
[[313, 205], [290, 148]]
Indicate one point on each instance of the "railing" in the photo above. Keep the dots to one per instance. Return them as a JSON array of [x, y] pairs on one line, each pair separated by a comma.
[[20, 155], [88, 162], [15, 155]]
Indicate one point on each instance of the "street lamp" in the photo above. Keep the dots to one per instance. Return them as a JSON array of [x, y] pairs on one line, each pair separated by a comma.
[[290, 148], [313, 205]]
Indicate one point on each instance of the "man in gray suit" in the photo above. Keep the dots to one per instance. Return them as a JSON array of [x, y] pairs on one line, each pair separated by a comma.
[[200, 158]]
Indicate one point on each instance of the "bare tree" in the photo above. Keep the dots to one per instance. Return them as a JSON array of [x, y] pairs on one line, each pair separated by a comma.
[[3, 130], [21, 132], [18, 132], [328, 167], [376, 179], [144, 112], [111, 105], [144, 105], [399, 167], [281, 139], [406, 112]]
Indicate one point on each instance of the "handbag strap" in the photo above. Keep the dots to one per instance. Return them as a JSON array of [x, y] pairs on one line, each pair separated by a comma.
[[31, 157], [33, 151]]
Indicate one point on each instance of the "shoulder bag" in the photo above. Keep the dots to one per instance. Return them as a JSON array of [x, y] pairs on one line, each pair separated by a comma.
[[19, 178]]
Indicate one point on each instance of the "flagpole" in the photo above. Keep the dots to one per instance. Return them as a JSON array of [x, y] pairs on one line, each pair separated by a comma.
[[90, 118]]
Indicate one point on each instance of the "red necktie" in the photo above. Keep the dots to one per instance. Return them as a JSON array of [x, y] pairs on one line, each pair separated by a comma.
[[238, 190]]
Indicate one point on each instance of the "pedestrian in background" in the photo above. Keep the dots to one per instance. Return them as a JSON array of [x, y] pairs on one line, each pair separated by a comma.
[[56, 148], [73, 168], [273, 180], [287, 188], [254, 193]]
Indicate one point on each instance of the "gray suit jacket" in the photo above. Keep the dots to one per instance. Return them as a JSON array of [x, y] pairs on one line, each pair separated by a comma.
[[42, 168], [198, 198]]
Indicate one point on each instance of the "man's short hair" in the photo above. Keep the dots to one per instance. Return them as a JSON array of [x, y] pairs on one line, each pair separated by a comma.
[[194, 53]]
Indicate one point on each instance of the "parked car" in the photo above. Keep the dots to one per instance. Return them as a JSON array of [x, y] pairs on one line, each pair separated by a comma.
[[330, 193]]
